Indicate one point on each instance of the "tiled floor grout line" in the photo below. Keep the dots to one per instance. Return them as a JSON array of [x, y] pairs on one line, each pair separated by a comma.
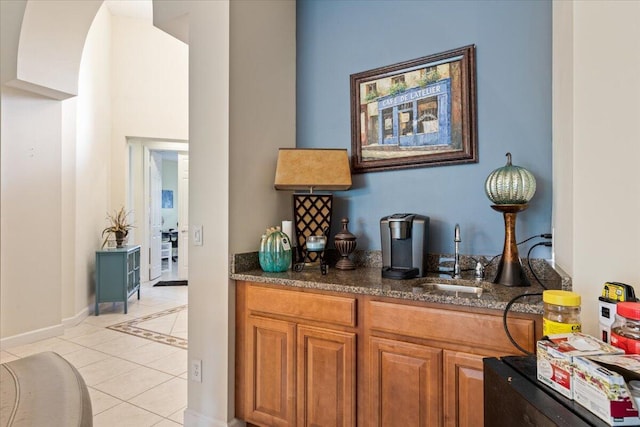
[[132, 397]]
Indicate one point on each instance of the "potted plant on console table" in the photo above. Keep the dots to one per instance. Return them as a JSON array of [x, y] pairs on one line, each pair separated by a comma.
[[119, 227]]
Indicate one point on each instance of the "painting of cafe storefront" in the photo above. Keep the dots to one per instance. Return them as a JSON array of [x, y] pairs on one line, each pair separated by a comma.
[[411, 110]]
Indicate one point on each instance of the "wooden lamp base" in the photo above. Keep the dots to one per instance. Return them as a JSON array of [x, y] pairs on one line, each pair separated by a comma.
[[510, 271]]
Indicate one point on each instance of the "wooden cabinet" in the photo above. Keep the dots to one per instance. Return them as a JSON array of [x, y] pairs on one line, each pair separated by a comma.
[[271, 371], [296, 358], [117, 275], [451, 343], [326, 377], [405, 384], [312, 358], [463, 389]]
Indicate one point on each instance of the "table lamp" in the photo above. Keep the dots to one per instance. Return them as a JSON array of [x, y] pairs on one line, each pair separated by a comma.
[[312, 169]]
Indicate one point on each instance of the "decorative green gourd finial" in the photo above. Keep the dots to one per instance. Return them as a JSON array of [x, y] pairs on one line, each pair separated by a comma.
[[510, 185]]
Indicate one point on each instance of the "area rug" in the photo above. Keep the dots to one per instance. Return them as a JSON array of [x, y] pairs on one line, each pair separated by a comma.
[[171, 283], [131, 327]]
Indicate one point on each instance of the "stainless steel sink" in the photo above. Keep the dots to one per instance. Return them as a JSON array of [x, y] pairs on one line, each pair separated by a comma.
[[473, 290]]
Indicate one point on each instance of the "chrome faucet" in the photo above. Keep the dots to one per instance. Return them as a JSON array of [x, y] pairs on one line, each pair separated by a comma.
[[456, 265]]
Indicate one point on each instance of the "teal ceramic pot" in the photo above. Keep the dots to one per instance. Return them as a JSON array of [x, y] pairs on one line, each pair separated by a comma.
[[275, 252]]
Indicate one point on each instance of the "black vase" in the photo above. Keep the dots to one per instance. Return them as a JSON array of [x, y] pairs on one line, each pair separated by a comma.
[[120, 237]]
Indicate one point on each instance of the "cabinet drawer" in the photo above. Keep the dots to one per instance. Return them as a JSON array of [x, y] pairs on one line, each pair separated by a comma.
[[472, 329], [302, 305]]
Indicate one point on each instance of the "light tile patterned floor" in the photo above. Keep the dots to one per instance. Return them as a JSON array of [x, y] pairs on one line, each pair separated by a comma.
[[133, 381], [167, 326]]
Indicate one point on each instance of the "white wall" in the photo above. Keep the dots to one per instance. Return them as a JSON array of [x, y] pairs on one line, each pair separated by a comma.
[[36, 132], [262, 115], [11, 14], [92, 157], [72, 299], [596, 146], [562, 127], [60, 50], [232, 46], [30, 213], [209, 176], [149, 98]]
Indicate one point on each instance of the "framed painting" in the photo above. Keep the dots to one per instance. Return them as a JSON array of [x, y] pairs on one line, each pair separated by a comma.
[[167, 199], [415, 113]]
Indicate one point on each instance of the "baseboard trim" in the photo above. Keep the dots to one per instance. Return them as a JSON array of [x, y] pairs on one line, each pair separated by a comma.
[[196, 419], [44, 333], [31, 336], [70, 322]]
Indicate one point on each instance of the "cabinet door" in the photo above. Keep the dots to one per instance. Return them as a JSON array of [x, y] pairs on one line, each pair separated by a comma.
[[326, 377], [406, 384], [270, 378], [131, 264], [463, 390], [111, 276], [136, 267]]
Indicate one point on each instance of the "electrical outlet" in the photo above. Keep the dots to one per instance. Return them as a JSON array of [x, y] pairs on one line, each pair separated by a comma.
[[196, 370]]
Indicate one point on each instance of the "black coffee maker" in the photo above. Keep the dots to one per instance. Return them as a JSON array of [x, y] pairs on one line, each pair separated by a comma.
[[404, 245]]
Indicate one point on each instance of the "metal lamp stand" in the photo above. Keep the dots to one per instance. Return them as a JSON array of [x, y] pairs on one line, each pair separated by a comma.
[[312, 216]]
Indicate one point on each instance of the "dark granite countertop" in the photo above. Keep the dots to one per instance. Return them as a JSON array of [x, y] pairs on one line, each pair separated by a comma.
[[366, 279]]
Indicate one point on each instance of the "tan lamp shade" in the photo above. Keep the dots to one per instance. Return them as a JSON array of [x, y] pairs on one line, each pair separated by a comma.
[[316, 169]]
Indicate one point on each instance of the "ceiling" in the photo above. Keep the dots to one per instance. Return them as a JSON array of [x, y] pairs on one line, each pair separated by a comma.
[[141, 9]]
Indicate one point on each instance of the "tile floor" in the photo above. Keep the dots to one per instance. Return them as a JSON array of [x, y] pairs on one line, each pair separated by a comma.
[[133, 381]]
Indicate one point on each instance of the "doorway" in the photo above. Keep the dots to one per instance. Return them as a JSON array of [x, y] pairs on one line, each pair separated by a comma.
[[168, 214], [159, 188]]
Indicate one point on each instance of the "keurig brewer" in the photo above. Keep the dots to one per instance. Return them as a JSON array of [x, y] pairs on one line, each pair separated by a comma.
[[404, 245]]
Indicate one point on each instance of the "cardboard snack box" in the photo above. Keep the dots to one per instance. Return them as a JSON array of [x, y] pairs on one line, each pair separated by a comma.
[[603, 391], [627, 365], [555, 357]]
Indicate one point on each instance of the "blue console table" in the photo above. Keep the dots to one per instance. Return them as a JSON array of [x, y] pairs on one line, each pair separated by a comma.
[[117, 275]]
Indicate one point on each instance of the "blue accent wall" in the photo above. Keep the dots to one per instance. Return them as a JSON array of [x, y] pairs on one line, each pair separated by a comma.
[[513, 53]]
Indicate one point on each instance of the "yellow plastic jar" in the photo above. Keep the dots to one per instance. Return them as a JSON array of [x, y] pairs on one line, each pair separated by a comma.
[[561, 312]]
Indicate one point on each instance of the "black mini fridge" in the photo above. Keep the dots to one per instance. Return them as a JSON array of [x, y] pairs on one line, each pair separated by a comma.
[[513, 397]]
